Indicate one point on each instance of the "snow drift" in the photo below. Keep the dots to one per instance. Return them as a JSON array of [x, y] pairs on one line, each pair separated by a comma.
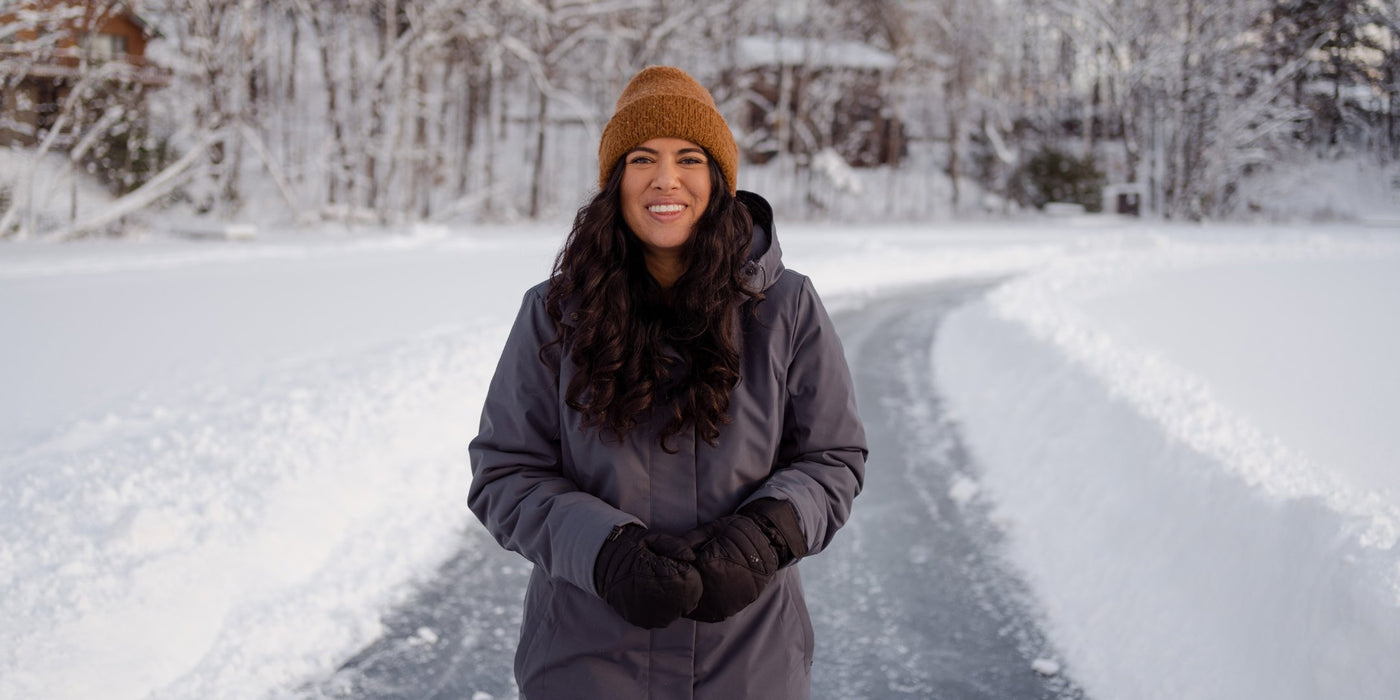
[[1193, 451]]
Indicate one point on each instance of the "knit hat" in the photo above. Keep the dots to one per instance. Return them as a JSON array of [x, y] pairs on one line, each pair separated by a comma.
[[665, 101]]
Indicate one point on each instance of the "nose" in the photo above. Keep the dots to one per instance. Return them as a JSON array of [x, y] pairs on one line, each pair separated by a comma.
[[667, 176]]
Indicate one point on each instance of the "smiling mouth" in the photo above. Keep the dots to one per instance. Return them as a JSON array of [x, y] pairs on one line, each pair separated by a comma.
[[665, 208]]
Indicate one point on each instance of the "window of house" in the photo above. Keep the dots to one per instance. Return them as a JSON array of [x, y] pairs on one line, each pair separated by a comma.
[[105, 47]]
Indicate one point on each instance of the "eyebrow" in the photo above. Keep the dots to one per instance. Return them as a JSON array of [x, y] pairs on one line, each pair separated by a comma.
[[653, 151]]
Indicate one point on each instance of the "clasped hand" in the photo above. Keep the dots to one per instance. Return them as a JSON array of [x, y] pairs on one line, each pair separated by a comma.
[[708, 574]]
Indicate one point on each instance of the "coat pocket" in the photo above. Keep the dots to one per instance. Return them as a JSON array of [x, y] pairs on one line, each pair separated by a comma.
[[797, 605]]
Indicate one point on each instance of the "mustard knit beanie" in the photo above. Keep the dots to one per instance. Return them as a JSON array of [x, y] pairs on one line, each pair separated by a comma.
[[665, 101]]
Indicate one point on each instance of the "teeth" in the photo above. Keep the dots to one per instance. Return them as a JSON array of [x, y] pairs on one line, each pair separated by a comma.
[[666, 208]]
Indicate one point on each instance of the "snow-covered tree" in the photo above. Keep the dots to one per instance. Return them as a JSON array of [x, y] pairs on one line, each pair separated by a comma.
[[408, 110]]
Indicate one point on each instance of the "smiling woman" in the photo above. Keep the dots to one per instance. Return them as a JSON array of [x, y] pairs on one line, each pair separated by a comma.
[[665, 189], [671, 427]]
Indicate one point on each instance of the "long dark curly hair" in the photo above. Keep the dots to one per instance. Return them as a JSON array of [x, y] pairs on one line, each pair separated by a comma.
[[636, 351]]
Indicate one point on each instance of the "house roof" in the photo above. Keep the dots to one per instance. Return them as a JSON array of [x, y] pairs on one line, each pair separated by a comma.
[[122, 8], [765, 51], [146, 27]]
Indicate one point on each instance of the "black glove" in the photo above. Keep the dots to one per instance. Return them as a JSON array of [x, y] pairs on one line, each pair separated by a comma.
[[645, 576], [737, 555]]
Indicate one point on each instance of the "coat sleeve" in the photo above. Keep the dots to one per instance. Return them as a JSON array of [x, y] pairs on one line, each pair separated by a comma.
[[519, 490], [821, 459]]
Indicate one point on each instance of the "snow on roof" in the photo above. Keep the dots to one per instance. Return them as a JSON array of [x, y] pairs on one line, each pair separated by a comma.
[[758, 51]]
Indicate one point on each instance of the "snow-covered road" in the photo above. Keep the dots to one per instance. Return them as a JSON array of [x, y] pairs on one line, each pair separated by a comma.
[[915, 599]]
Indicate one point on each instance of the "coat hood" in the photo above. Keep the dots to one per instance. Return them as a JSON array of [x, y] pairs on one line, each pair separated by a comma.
[[765, 263]]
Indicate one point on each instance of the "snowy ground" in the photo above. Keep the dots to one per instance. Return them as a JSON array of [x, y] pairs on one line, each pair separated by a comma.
[[1193, 449], [220, 461]]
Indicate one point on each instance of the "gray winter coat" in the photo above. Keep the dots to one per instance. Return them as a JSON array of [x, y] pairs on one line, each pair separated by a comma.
[[552, 491]]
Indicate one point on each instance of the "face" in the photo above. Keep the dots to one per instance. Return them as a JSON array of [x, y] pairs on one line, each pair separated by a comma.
[[665, 188]]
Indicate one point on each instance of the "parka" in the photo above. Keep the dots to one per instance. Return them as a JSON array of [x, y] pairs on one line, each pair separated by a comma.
[[552, 491]]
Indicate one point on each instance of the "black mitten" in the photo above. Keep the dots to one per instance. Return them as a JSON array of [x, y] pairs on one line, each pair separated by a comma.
[[737, 556], [779, 522], [645, 576]]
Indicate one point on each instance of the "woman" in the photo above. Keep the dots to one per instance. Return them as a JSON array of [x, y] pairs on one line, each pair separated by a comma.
[[671, 427]]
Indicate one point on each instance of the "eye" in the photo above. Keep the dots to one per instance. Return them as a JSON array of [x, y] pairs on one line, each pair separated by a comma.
[[693, 160], [639, 159]]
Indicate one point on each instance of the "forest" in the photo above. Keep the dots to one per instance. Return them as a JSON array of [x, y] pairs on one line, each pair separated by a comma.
[[400, 111]]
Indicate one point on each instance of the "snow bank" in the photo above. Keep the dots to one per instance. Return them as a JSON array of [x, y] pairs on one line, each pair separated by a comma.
[[1323, 189], [222, 461], [1192, 448], [228, 541]]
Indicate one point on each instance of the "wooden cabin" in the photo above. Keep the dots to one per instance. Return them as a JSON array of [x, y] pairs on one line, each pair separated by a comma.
[[48, 46], [803, 96]]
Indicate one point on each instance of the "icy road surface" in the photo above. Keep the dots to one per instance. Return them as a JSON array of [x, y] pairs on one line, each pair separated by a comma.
[[913, 599]]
